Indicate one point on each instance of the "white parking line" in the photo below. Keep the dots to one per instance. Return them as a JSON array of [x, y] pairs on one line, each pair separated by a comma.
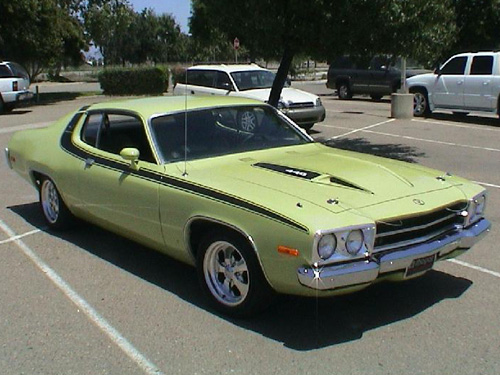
[[12, 129], [486, 184], [361, 129], [479, 127], [11, 239], [431, 141], [477, 268], [147, 366]]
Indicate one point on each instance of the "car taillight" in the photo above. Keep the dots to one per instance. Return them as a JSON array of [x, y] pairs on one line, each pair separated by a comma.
[[14, 86]]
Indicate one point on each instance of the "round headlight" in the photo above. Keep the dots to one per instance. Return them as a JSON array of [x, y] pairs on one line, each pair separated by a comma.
[[326, 246], [354, 241]]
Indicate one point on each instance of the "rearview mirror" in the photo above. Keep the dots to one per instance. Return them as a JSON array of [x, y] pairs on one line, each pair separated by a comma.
[[132, 155]]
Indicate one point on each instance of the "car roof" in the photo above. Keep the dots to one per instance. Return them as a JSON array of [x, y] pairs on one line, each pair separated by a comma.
[[150, 106], [228, 68]]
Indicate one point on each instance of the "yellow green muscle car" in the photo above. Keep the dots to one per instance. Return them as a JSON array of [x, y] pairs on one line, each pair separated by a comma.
[[233, 187]]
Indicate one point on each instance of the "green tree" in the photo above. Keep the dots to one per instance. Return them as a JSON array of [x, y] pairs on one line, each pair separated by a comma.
[[108, 23], [478, 24], [40, 33], [325, 28]]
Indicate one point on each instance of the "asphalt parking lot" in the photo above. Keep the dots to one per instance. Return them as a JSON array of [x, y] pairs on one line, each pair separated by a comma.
[[89, 302]]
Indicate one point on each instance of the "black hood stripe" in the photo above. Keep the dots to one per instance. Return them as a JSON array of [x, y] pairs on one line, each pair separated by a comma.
[[153, 176]]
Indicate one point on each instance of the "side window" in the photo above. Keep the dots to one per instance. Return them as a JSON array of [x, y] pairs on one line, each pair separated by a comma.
[[113, 132], [482, 65], [223, 81], [90, 129], [205, 78], [455, 66]]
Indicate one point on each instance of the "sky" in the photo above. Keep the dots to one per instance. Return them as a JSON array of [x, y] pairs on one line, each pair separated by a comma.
[[180, 9]]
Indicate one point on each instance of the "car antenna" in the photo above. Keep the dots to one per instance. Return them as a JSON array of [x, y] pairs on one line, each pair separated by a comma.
[[184, 174]]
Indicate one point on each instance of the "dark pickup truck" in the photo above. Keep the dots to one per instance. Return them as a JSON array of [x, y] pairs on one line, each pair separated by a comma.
[[376, 77]]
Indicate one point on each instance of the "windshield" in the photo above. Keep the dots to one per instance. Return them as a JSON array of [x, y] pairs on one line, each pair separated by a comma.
[[254, 79], [222, 131]]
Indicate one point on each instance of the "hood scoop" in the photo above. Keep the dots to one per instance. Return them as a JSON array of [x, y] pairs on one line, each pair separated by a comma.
[[295, 172], [309, 175], [339, 181]]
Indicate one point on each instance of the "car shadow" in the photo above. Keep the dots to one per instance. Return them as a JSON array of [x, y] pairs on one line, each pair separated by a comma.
[[388, 150], [298, 323], [464, 119]]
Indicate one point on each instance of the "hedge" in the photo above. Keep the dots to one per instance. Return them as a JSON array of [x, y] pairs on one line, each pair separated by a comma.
[[134, 81]]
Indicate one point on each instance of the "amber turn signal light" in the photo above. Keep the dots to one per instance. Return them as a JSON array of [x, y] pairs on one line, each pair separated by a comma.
[[288, 251]]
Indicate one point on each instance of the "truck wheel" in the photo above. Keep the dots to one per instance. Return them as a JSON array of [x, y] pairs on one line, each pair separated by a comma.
[[420, 103], [230, 275], [344, 91]]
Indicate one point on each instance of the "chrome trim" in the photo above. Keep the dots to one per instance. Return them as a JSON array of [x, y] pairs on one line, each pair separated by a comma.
[[7, 157], [370, 268], [412, 241], [415, 228]]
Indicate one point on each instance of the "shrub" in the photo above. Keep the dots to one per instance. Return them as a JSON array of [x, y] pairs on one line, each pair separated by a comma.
[[134, 81]]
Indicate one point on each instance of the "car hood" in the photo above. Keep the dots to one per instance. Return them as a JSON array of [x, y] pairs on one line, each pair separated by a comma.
[[288, 95], [318, 178]]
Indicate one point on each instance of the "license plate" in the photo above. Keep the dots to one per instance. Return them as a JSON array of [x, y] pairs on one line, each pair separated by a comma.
[[420, 265]]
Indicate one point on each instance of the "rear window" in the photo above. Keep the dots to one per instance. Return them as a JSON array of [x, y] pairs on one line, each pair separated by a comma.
[[5, 71], [482, 65]]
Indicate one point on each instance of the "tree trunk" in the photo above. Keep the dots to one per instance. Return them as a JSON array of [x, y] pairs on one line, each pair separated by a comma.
[[280, 79]]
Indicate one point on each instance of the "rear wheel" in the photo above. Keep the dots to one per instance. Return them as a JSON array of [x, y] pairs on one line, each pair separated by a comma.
[[230, 275], [420, 103], [344, 91], [54, 210]]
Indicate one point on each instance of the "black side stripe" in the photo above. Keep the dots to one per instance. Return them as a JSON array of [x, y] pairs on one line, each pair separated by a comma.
[[146, 174]]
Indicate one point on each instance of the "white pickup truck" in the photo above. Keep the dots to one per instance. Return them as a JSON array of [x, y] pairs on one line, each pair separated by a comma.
[[14, 85], [466, 82]]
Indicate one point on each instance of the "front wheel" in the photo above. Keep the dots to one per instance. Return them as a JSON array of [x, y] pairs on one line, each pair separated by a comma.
[[230, 275], [54, 210], [420, 103], [344, 91]]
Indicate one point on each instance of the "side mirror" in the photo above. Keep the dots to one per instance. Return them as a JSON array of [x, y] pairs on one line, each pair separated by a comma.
[[131, 155], [437, 71]]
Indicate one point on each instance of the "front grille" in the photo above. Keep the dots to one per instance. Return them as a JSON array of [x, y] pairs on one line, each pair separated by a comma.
[[300, 105], [417, 229]]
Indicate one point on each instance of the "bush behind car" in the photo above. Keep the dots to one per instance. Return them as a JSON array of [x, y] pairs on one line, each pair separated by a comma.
[[134, 81]]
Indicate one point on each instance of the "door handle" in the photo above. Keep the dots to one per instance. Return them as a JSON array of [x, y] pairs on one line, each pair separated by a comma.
[[486, 83], [460, 82], [192, 92], [89, 162]]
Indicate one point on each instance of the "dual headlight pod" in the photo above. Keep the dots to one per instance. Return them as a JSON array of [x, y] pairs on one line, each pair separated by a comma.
[[475, 210], [344, 243]]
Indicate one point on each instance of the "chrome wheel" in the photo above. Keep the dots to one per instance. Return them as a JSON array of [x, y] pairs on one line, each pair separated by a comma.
[[226, 273], [420, 106], [248, 121], [50, 201]]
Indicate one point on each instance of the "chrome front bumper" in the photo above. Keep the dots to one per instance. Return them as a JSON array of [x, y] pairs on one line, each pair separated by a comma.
[[367, 270]]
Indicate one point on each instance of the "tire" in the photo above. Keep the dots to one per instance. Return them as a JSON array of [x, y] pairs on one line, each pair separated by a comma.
[[376, 97], [420, 103], [230, 275], [54, 210], [344, 91], [307, 127]]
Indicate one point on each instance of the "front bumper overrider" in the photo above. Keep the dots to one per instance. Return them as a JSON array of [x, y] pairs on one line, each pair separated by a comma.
[[379, 264]]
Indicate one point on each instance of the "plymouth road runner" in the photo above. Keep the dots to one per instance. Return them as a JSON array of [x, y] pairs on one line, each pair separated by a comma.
[[235, 188]]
